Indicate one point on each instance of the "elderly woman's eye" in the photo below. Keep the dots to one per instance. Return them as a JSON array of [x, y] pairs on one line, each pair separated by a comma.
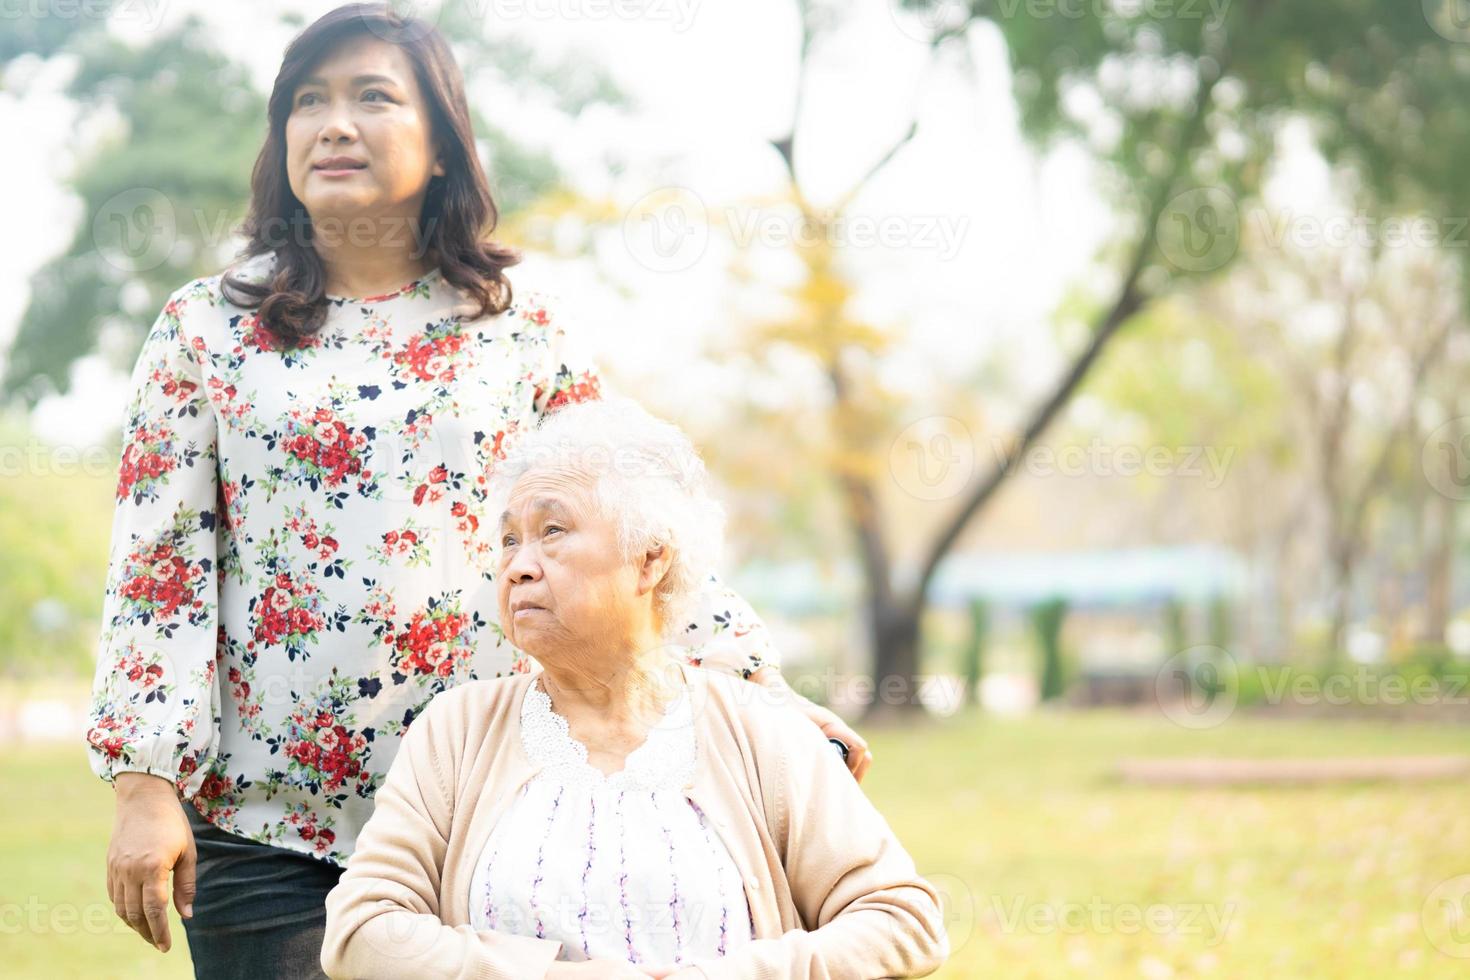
[[507, 541], [552, 528]]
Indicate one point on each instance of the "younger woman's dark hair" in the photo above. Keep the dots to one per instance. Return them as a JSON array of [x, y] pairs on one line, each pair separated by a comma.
[[458, 212]]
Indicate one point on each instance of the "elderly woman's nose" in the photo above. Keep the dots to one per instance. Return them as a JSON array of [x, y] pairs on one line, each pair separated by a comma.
[[524, 565]]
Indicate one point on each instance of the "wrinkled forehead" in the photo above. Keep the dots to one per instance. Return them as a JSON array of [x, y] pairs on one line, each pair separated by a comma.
[[551, 489]]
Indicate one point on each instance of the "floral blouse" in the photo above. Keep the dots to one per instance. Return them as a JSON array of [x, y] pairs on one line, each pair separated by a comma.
[[621, 866], [301, 555]]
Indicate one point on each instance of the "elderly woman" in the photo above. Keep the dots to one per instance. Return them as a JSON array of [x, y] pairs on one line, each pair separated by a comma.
[[617, 814]]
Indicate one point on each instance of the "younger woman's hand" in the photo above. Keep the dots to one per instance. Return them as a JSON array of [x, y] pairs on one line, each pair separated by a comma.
[[151, 843], [831, 724]]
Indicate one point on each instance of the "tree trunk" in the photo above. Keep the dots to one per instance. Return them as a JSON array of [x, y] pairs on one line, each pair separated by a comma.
[[1344, 560], [896, 664], [1439, 569]]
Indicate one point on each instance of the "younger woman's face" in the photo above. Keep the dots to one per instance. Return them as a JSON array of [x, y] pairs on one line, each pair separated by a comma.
[[361, 108]]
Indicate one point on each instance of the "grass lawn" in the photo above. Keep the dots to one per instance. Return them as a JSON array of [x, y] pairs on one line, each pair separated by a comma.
[[1052, 869]]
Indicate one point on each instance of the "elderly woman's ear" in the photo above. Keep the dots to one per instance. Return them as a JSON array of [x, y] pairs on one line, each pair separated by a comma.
[[655, 567]]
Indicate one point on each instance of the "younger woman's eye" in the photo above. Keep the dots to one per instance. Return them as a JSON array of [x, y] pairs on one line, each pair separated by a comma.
[[381, 95], [302, 99]]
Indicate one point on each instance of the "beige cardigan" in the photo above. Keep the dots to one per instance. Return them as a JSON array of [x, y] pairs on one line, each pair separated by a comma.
[[832, 892]]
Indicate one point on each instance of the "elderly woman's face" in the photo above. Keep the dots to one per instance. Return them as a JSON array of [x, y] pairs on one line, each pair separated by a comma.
[[358, 139], [564, 581]]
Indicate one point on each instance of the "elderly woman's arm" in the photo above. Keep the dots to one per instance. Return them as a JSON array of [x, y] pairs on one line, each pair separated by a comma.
[[867, 910], [383, 915]]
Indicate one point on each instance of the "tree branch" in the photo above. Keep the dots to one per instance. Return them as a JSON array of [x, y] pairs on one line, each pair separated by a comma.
[[1128, 302], [786, 145], [852, 192], [1353, 524]]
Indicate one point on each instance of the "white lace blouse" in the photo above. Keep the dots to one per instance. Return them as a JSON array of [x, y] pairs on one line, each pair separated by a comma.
[[620, 866]]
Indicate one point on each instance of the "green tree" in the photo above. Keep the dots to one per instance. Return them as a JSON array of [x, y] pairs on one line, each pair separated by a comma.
[[1188, 108], [1047, 618], [162, 193], [975, 643], [54, 516]]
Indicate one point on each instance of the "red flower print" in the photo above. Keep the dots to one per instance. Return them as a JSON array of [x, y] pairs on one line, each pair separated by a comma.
[[326, 448], [437, 642], [157, 583], [287, 612], [431, 356], [147, 458], [568, 390]]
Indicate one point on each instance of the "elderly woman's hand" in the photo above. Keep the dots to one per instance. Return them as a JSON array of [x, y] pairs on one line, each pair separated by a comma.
[[858, 756]]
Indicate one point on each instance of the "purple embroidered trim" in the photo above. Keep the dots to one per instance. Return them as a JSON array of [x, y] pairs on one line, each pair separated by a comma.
[[674, 902], [490, 917], [591, 850], [489, 901], [540, 858], [719, 877], [490, 889], [633, 956]]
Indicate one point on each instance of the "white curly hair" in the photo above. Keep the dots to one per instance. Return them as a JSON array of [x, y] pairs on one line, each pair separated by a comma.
[[649, 482]]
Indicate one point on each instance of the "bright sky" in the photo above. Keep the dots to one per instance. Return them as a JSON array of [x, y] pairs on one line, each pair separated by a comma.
[[990, 236]]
